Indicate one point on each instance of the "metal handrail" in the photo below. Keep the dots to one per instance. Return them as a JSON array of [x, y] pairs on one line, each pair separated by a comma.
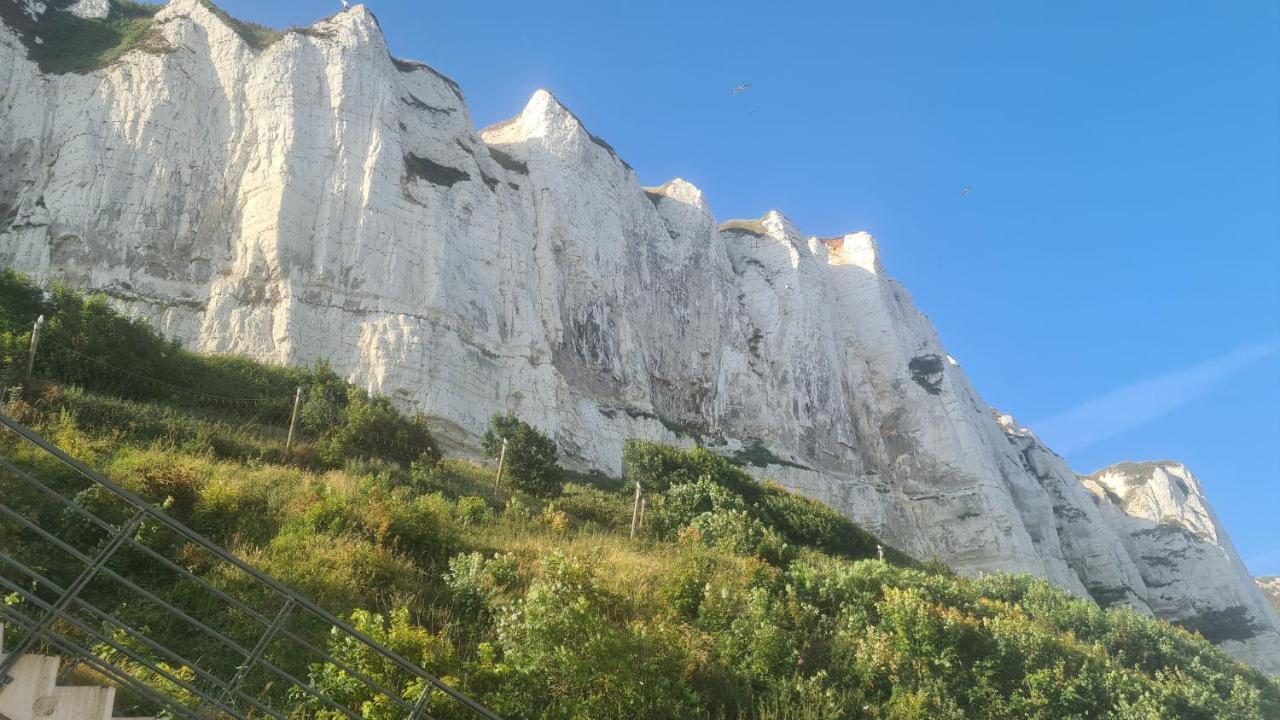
[[204, 585], [224, 694]]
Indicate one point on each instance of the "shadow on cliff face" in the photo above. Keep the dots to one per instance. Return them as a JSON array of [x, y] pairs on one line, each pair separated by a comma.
[[1167, 555]]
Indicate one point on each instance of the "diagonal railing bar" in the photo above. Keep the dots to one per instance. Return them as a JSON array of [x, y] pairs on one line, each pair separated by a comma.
[[220, 594], [108, 619], [256, 654], [55, 611], [311, 690], [121, 678], [133, 655], [283, 674], [228, 642], [227, 694]]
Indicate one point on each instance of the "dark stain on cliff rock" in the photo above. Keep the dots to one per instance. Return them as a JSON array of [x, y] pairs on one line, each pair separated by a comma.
[[508, 162], [926, 370], [423, 169], [413, 102]]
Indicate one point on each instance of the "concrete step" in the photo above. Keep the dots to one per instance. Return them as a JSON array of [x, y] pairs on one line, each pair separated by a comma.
[[76, 703], [34, 677], [34, 694]]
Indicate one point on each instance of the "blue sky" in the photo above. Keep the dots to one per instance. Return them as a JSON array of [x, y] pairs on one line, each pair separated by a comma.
[[1112, 274]]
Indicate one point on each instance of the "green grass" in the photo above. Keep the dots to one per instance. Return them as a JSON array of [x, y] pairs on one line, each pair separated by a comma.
[[257, 36], [72, 44], [711, 628], [749, 227]]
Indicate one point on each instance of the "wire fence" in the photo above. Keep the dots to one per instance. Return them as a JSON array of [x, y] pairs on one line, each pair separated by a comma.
[[72, 544]]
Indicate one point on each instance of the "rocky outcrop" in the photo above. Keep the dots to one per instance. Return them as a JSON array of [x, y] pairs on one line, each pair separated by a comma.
[[1192, 573], [1270, 587], [307, 196]]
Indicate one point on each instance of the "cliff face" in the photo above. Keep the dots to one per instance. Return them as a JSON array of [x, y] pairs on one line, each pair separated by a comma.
[[310, 197]]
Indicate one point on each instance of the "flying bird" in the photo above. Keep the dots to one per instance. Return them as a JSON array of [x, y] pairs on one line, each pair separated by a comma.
[[740, 89], [345, 4], [966, 190]]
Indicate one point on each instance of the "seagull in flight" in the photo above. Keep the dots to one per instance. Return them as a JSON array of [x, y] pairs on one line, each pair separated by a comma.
[[966, 190], [740, 89], [345, 4]]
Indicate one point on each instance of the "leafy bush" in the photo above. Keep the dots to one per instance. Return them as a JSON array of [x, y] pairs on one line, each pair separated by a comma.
[[699, 489], [558, 650], [21, 301], [431, 651], [477, 582], [657, 466], [530, 463], [373, 428], [473, 510]]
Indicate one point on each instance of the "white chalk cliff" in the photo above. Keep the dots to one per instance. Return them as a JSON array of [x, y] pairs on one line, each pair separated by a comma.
[[312, 197]]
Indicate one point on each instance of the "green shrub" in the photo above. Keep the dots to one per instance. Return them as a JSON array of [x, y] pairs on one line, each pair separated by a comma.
[[423, 526], [21, 302], [682, 503], [530, 464], [431, 651], [590, 506], [473, 510], [477, 583], [373, 428], [561, 655], [738, 532], [657, 466]]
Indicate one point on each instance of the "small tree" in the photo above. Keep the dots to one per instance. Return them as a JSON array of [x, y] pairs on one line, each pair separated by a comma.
[[531, 455]]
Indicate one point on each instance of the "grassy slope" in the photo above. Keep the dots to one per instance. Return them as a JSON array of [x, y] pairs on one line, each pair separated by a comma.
[[723, 607], [73, 44]]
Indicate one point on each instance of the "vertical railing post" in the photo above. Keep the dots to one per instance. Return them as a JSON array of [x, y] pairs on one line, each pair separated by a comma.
[[256, 654], [420, 708], [41, 628]]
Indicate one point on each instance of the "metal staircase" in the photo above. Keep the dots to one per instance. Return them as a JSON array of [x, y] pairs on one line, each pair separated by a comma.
[[71, 545]]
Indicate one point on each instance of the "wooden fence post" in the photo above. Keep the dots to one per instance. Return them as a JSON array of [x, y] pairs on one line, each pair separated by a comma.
[[635, 512], [293, 422]]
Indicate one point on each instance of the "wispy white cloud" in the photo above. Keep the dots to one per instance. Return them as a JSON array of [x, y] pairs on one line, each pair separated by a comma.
[[1132, 406]]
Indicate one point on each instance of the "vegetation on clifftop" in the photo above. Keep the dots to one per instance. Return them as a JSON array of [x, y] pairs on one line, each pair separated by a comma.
[[68, 43], [737, 599]]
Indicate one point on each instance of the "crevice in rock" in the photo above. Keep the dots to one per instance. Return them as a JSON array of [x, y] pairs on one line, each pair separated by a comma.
[[413, 102], [424, 169], [508, 162]]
